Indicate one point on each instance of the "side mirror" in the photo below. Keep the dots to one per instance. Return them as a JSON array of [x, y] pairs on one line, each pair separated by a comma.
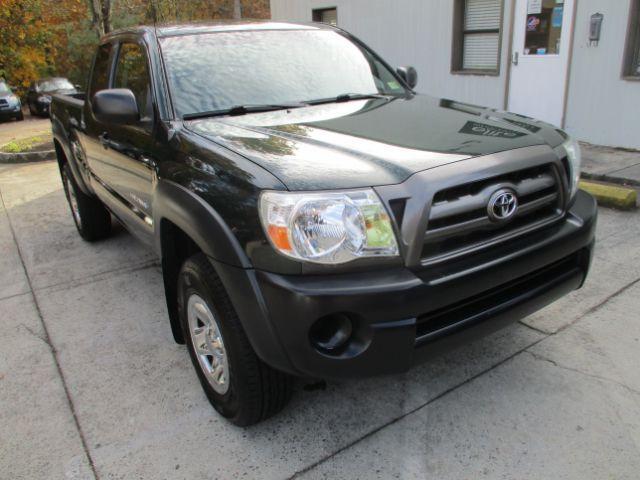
[[409, 75], [116, 105]]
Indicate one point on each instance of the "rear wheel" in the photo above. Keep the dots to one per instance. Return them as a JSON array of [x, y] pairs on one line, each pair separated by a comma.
[[20, 116], [238, 384], [92, 219]]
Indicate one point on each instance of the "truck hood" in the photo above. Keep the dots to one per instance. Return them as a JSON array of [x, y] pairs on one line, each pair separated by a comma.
[[371, 142]]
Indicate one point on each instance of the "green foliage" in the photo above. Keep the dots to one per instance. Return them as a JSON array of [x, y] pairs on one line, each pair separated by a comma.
[[24, 145]]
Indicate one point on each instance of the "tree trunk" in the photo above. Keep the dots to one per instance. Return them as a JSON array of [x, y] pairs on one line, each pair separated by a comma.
[[237, 9], [106, 16], [100, 16]]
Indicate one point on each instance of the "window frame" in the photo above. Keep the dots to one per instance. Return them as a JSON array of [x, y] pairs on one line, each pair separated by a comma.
[[114, 71], [90, 90], [316, 14], [457, 47], [632, 43]]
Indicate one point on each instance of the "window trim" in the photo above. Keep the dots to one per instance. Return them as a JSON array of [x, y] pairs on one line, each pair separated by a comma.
[[457, 44], [632, 40], [317, 12]]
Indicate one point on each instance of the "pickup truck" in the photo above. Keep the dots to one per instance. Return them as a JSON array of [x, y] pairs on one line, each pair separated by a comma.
[[314, 216]]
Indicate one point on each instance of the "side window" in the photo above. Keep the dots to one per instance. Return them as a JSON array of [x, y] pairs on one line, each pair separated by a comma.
[[100, 75], [132, 73]]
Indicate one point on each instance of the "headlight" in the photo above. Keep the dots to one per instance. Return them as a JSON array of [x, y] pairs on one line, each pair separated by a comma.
[[44, 99], [13, 99], [572, 147], [330, 228]]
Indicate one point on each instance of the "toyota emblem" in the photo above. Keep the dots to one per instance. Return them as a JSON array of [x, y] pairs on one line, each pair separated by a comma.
[[503, 205]]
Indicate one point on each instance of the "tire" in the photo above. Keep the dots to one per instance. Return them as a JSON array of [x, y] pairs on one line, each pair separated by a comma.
[[20, 117], [249, 390], [92, 219]]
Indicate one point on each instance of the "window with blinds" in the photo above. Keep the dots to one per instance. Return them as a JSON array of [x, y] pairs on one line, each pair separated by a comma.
[[631, 67], [326, 15], [477, 46]]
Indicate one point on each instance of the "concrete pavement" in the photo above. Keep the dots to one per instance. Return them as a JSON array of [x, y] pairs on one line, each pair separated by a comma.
[[611, 164], [92, 385], [29, 127]]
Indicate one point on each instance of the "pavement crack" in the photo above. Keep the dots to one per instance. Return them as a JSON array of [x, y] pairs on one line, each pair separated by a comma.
[[542, 358], [535, 329], [47, 339], [395, 420], [35, 334], [597, 307]]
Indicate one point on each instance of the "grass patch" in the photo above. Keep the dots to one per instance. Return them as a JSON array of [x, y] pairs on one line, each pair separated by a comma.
[[24, 144]]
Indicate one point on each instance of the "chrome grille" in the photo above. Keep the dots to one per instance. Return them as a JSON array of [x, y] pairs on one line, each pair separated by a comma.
[[459, 221]]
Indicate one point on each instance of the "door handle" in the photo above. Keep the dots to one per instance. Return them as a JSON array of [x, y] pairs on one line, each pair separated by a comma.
[[148, 162], [514, 60]]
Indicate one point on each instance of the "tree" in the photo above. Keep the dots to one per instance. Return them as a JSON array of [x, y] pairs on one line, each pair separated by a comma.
[[23, 41], [237, 9], [100, 15]]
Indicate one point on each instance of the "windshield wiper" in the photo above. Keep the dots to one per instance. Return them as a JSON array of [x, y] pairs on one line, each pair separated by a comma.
[[243, 110], [347, 97]]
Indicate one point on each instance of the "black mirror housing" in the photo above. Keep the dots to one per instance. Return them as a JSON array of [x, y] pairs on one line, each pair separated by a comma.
[[116, 105], [409, 75]]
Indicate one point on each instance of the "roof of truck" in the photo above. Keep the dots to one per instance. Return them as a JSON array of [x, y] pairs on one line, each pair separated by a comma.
[[170, 30]]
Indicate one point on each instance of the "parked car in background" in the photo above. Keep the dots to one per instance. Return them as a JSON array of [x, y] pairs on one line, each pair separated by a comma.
[[10, 105], [40, 91]]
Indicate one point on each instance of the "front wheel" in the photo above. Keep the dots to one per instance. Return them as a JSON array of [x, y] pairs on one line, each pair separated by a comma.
[[20, 116], [92, 219], [238, 384]]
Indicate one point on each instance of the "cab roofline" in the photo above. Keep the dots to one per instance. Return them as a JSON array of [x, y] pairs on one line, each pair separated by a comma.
[[172, 30]]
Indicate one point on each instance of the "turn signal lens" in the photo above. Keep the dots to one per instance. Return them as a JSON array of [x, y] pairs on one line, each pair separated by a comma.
[[572, 147], [330, 228]]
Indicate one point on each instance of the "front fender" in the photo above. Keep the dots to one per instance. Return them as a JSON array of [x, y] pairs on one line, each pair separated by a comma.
[[199, 221]]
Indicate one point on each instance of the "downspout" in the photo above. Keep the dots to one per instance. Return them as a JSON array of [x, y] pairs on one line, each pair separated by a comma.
[[507, 85], [569, 65]]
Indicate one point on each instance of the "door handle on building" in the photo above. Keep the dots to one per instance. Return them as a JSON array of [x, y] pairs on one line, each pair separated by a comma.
[[514, 60]]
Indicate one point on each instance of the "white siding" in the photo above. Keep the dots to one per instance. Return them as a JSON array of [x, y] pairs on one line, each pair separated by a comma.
[[409, 32], [603, 108]]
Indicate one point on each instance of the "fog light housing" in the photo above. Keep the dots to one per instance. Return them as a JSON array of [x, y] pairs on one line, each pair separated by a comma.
[[331, 334]]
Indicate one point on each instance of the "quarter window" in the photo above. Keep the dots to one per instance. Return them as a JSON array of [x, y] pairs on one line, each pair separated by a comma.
[[476, 43], [132, 73], [326, 15], [631, 68]]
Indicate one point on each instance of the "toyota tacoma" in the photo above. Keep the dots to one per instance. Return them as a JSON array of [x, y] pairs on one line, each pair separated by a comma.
[[314, 216]]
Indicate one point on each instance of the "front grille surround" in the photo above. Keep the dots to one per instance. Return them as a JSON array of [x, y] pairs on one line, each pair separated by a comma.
[[411, 202]]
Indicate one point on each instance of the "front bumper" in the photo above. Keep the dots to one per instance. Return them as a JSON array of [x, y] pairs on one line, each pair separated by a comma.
[[402, 316], [9, 111]]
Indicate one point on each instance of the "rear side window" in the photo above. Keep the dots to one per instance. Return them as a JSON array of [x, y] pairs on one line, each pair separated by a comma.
[[132, 73], [100, 76]]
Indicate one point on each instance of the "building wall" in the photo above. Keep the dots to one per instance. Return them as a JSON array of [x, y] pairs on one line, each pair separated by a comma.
[[602, 107], [410, 32]]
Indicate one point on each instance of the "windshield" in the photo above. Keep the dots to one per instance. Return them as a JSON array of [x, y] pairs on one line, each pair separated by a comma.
[[217, 71], [4, 88], [55, 84]]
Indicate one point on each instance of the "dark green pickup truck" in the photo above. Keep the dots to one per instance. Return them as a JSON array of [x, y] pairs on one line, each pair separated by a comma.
[[314, 216]]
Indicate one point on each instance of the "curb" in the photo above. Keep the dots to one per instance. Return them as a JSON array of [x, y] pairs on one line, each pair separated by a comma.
[[609, 179], [27, 157], [611, 195]]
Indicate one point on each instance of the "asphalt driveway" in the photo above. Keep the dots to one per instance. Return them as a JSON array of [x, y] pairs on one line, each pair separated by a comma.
[[93, 386]]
